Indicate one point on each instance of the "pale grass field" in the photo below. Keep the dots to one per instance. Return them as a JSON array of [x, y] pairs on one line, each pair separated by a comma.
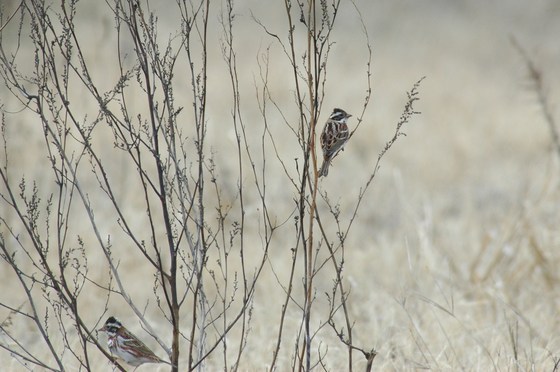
[[453, 260]]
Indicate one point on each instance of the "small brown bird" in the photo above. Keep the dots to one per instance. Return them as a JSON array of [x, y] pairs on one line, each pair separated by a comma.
[[124, 345], [334, 137]]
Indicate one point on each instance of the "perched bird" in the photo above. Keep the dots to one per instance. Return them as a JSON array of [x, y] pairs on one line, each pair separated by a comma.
[[334, 137], [124, 345]]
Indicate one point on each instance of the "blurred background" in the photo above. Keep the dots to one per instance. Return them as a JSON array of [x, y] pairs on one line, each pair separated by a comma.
[[452, 261]]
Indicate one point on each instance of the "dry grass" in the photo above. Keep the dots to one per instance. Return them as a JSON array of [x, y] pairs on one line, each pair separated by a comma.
[[453, 261]]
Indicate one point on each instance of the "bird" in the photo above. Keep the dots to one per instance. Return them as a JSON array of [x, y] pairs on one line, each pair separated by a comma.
[[124, 345], [333, 138]]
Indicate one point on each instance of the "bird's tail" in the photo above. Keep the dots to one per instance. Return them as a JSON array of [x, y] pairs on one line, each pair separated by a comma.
[[324, 168]]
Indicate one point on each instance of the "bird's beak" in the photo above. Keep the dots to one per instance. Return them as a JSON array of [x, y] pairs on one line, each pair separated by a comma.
[[102, 329]]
